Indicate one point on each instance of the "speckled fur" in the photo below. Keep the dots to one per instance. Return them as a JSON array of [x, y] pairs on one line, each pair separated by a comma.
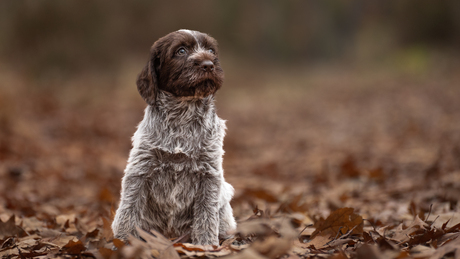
[[174, 180]]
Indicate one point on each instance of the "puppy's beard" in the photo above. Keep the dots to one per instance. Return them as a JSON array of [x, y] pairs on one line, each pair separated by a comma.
[[205, 88]]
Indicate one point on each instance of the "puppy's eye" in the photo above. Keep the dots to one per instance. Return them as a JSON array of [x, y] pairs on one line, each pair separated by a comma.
[[181, 52], [211, 51]]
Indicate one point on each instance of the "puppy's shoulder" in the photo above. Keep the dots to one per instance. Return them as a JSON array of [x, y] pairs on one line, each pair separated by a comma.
[[222, 123]]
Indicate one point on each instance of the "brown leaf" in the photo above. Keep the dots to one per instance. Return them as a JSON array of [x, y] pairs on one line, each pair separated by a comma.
[[92, 234], [342, 220], [423, 236], [27, 242], [106, 253], [385, 244], [402, 255], [9, 228], [367, 238], [79, 226], [319, 241], [348, 168], [294, 205], [248, 253], [31, 254], [259, 227], [340, 242], [447, 237], [340, 255], [368, 251], [272, 247], [118, 243], [259, 194], [106, 196], [377, 174], [32, 224], [158, 242], [107, 229], [444, 225], [453, 228], [451, 247], [73, 248], [421, 251], [270, 170], [191, 250], [61, 241], [402, 236], [190, 247]]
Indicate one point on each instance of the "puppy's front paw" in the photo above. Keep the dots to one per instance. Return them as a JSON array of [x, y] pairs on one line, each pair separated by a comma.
[[205, 239]]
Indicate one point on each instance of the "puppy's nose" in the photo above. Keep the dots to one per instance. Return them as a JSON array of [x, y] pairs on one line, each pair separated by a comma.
[[207, 65]]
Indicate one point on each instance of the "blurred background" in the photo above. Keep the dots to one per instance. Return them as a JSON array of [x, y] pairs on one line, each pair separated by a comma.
[[315, 91]]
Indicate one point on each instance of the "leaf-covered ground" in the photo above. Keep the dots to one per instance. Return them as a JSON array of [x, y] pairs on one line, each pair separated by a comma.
[[326, 163]]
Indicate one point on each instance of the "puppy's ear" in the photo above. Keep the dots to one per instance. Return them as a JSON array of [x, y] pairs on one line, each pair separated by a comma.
[[147, 82]]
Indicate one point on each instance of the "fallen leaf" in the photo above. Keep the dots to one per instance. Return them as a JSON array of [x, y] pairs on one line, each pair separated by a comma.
[[106, 253], [9, 228], [106, 196], [342, 220], [272, 247], [107, 229], [404, 235], [348, 167], [73, 248], [32, 224], [248, 253], [92, 234], [156, 241], [451, 247], [61, 241], [118, 243], [259, 194], [319, 241], [257, 227], [368, 251], [296, 204], [31, 254], [420, 251]]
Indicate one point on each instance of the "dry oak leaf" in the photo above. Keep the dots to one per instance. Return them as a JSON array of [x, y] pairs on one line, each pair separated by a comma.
[[343, 220], [452, 247], [404, 235], [9, 228]]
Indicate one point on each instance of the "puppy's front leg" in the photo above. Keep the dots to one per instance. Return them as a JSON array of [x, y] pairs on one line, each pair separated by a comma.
[[133, 202], [205, 229]]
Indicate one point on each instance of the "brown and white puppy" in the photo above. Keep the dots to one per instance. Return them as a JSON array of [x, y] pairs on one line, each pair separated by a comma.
[[174, 182]]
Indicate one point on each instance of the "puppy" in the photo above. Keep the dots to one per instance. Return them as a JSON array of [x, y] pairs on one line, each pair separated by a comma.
[[174, 182]]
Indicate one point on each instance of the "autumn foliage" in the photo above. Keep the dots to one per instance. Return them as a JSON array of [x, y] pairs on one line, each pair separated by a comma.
[[327, 164]]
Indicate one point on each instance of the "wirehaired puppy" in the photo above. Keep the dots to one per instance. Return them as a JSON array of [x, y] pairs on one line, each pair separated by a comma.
[[174, 182]]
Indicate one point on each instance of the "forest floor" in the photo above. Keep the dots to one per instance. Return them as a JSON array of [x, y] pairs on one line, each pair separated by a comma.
[[327, 162]]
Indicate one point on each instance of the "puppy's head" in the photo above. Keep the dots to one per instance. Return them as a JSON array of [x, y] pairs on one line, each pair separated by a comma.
[[184, 63]]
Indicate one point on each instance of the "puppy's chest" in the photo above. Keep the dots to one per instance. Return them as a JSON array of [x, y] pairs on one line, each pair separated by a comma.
[[175, 190], [190, 143]]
